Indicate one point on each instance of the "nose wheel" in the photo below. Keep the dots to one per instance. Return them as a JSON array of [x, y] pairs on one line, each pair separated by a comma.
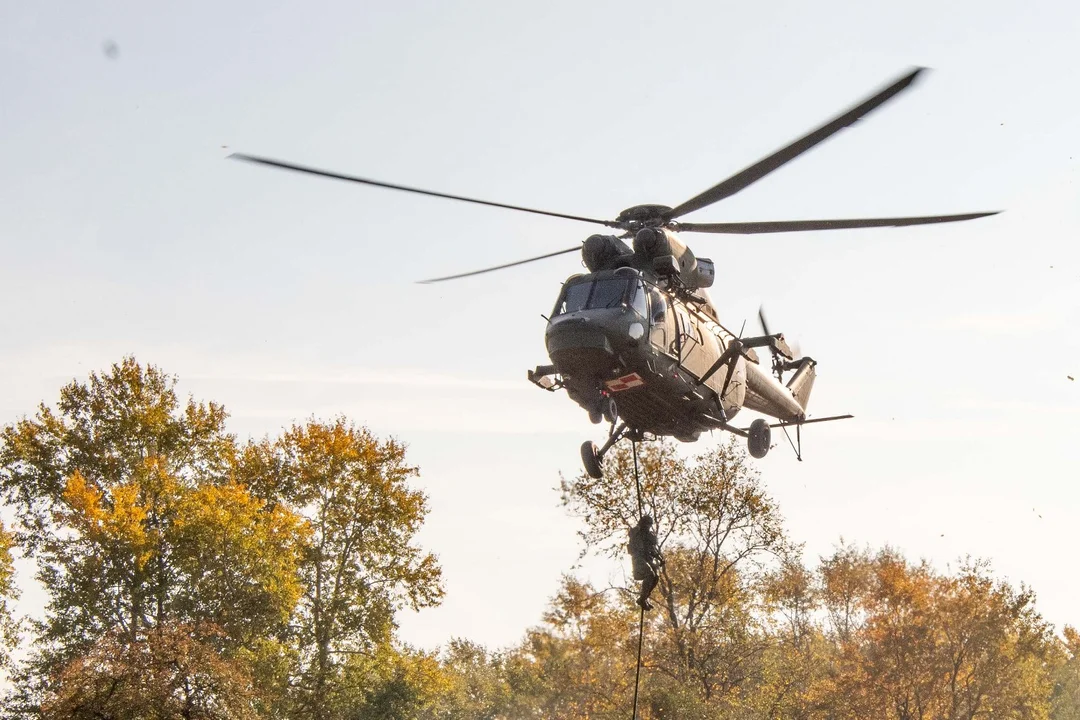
[[590, 458], [593, 458]]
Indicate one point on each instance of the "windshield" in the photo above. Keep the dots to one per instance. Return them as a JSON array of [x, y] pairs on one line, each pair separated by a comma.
[[638, 300], [573, 298], [607, 293]]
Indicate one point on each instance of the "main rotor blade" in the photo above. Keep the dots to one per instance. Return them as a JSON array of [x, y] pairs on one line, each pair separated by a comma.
[[760, 169], [576, 248], [754, 228], [391, 186]]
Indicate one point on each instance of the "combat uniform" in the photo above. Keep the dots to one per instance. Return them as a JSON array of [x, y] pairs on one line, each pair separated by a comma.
[[645, 558]]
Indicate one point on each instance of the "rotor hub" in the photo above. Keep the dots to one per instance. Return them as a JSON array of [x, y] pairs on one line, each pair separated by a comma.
[[644, 216]]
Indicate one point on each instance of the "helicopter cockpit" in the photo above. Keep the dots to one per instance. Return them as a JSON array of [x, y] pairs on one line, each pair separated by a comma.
[[623, 289]]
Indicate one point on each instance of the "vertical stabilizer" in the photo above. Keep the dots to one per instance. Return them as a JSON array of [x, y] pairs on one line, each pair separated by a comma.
[[802, 382]]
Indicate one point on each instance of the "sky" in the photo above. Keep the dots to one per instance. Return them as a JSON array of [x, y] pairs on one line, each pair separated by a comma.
[[125, 230]]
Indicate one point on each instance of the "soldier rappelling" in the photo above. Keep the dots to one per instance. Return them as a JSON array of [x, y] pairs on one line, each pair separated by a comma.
[[646, 559]]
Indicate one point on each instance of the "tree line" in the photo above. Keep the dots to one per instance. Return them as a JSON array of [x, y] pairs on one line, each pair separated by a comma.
[[189, 574]]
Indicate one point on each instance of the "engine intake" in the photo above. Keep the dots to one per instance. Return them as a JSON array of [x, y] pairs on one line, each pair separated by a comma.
[[651, 244]]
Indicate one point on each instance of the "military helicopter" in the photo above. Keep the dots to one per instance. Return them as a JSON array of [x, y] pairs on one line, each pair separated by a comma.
[[638, 342]]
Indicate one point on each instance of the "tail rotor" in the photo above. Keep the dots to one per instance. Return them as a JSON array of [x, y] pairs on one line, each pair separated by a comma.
[[782, 354]]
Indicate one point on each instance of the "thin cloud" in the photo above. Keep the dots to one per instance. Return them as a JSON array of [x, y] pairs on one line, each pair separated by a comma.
[[398, 376], [999, 324], [67, 362]]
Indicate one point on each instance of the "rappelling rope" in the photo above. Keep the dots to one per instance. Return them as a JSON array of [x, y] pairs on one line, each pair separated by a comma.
[[637, 673], [641, 619], [637, 479]]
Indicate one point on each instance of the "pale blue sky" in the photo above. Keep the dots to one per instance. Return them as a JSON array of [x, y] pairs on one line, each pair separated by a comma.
[[124, 230]]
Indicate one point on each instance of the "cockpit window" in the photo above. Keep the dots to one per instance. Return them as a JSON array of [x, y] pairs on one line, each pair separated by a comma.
[[574, 298], [638, 301], [606, 293], [659, 306]]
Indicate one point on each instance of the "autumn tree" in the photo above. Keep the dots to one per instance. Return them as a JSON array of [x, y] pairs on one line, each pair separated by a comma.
[[721, 535], [580, 661], [1065, 699], [914, 643], [481, 685], [123, 498], [9, 627], [360, 563], [463, 681], [797, 654], [173, 672]]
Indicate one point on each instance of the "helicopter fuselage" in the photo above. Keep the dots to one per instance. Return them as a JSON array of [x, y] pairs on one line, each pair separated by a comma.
[[623, 343], [638, 338]]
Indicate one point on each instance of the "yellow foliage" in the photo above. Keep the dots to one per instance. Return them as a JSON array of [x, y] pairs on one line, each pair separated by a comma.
[[116, 521], [242, 557]]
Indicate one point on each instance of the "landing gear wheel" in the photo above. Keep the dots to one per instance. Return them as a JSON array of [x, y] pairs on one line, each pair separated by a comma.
[[591, 460], [611, 411], [760, 438]]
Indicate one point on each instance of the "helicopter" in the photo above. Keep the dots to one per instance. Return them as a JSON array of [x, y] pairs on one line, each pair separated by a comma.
[[637, 341]]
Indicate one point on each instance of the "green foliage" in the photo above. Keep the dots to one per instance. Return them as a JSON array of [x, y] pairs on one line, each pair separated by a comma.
[[107, 430], [190, 577], [745, 630], [581, 662], [9, 627], [720, 534], [138, 513], [480, 685], [106, 494], [360, 563], [238, 560], [1065, 700], [713, 503]]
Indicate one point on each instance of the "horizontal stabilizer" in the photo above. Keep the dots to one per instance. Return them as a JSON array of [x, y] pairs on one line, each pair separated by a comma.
[[812, 420]]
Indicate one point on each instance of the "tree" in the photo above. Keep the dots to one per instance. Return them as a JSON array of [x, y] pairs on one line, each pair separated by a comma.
[[107, 431], [713, 504], [580, 662], [9, 627], [478, 683], [123, 499], [174, 672], [930, 645], [360, 564], [238, 560], [721, 535], [1065, 699], [796, 657]]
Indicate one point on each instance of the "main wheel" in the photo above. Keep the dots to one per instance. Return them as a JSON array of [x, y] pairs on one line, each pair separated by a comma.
[[591, 460], [760, 438]]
